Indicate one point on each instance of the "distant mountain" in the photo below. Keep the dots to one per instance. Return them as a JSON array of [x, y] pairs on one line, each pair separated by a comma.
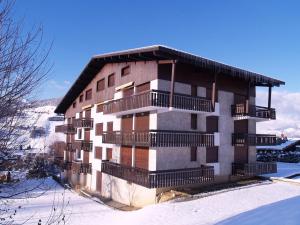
[[48, 102]]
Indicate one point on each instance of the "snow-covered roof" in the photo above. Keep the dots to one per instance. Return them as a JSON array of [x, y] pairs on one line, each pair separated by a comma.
[[280, 147]]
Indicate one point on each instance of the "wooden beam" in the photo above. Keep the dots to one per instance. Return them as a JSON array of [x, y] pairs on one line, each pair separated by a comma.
[[172, 82], [269, 97], [165, 61], [213, 94], [248, 98]]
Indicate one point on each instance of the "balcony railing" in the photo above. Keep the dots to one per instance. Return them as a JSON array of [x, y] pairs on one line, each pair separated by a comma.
[[159, 138], [82, 145], [67, 165], [66, 129], [158, 99], [242, 139], [241, 110], [79, 167], [253, 169], [160, 178], [83, 123]]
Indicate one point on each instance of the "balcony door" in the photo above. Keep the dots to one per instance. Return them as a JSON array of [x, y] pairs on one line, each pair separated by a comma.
[[241, 152], [88, 113], [142, 121], [126, 155], [127, 123], [142, 157]]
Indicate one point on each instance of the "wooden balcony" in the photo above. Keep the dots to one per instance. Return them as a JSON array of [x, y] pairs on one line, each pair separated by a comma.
[[155, 98], [159, 138], [242, 139], [67, 165], [244, 111], [66, 129], [79, 167], [83, 123], [160, 178], [82, 145], [253, 169]]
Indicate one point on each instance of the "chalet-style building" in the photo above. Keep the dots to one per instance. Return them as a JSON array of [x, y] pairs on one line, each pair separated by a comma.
[[143, 121]]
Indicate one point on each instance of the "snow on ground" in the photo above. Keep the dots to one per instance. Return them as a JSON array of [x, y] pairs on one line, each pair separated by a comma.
[[275, 204]]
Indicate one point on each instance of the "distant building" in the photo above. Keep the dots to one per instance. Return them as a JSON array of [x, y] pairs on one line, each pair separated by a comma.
[[143, 121]]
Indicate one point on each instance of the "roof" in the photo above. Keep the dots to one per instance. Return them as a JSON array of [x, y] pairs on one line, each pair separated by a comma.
[[156, 52], [283, 146]]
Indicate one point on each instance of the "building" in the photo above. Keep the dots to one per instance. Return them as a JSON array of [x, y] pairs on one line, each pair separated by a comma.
[[142, 121]]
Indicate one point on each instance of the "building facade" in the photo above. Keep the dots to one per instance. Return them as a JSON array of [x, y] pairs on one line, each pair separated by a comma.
[[143, 121]]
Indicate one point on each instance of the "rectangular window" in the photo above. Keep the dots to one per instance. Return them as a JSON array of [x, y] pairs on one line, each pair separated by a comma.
[[194, 121], [109, 126], [212, 154], [88, 94], [99, 129], [100, 85], [80, 98], [74, 104], [99, 108], [125, 71], [108, 153], [193, 153], [98, 152], [79, 133], [111, 80]]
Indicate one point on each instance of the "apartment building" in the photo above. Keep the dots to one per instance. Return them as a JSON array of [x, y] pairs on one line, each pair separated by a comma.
[[143, 121]]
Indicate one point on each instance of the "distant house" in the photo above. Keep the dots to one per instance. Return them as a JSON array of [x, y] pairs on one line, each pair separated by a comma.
[[143, 121]]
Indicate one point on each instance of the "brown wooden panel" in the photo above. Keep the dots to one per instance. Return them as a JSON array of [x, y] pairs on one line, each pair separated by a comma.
[[88, 113], [86, 156], [126, 123], [126, 155], [194, 121], [100, 85], [87, 134], [99, 129], [193, 153], [142, 87], [142, 121], [110, 126], [194, 90], [99, 181], [142, 157], [241, 154], [108, 153], [241, 126], [212, 124], [212, 154], [127, 92], [98, 152], [99, 108]]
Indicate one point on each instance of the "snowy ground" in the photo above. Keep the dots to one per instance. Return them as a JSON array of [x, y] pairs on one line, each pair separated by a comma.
[[275, 203]]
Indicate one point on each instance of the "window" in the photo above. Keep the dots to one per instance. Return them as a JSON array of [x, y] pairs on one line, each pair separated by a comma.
[[212, 154], [100, 85], [74, 104], [193, 153], [80, 98], [99, 129], [110, 127], [79, 133], [99, 108], [108, 153], [194, 90], [125, 71], [88, 94], [194, 121], [111, 80], [98, 152]]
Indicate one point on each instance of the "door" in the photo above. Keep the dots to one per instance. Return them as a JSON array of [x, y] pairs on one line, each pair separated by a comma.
[[126, 123], [87, 134], [126, 155], [98, 181], [142, 121], [88, 113], [143, 87], [142, 157], [127, 92]]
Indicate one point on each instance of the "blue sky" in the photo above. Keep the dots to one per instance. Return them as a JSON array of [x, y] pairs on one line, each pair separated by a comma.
[[262, 36]]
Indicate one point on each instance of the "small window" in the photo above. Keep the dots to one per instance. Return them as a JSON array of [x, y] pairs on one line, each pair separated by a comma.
[[99, 108], [111, 80], [74, 104], [99, 129], [193, 153], [79, 133], [125, 71], [80, 98], [100, 85], [88, 94], [194, 121], [98, 152]]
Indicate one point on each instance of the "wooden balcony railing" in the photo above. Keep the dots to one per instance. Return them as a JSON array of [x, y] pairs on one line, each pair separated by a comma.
[[242, 110], [242, 139], [83, 145], [253, 169], [83, 123], [79, 167], [159, 138], [67, 165], [66, 129], [158, 99], [160, 178]]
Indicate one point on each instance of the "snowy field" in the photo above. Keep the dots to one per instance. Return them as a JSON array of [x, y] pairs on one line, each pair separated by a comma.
[[275, 203]]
